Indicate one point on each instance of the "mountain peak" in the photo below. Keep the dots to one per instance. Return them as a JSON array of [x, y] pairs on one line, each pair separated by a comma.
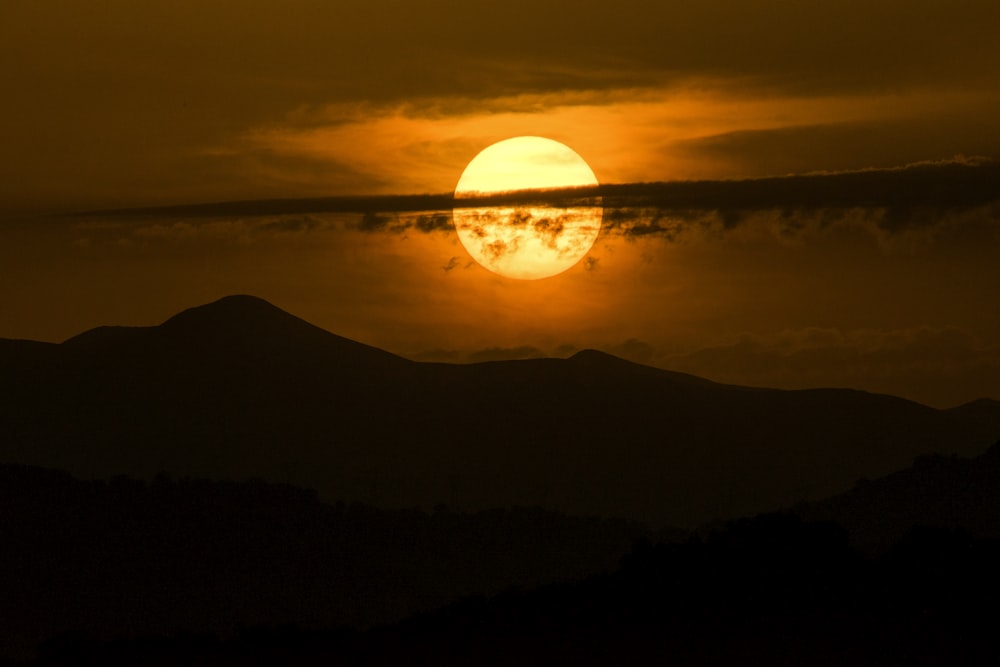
[[242, 300], [596, 356], [249, 323], [241, 316], [236, 307]]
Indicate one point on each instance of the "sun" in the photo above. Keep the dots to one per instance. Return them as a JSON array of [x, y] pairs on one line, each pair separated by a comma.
[[525, 241]]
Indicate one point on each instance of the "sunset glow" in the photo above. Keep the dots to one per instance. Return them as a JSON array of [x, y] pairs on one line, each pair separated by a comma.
[[828, 212], [455, 332], [526, 242]]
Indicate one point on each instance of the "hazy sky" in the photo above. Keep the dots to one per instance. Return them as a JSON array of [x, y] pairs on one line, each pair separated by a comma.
[[116, 104]]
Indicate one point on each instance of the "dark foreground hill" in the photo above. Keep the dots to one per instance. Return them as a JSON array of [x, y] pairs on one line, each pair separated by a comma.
[[179, 572], [768, 591], [936, 491], [121, 558], [238, 389]]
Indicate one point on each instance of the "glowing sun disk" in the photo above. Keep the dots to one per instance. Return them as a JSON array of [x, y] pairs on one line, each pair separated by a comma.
[[526, 242]]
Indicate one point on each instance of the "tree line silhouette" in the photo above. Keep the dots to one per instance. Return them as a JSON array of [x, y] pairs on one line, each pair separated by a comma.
[[126, 572], [129, 557], [770, 590]]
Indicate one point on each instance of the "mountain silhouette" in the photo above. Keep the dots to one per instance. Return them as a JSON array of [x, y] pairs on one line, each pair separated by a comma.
[[941, 492], [239, 388], [234, 326]]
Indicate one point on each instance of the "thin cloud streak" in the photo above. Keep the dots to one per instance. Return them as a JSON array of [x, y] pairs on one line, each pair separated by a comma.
[[897, 199]]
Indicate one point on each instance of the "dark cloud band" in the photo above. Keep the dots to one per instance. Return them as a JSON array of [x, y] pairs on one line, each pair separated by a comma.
[[906, 196]]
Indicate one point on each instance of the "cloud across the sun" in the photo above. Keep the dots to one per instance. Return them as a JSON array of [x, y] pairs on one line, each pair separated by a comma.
[[894, 200]]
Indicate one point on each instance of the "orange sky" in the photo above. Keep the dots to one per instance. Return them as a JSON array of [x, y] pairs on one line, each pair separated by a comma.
[[119, 104], [161, 102]]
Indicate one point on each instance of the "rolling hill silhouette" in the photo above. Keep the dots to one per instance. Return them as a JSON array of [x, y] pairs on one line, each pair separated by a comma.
[[239, 388], [940, 492], [209, 573], [119, 558]]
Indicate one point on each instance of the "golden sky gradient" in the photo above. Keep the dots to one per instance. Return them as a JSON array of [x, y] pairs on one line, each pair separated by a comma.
[[118, 104]]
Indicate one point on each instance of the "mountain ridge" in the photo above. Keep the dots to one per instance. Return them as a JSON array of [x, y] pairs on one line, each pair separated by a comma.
[[233, 314], [245, 320], [239, 388]]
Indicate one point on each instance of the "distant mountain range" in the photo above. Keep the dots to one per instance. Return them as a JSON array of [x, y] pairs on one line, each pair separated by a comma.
[[239, 388]]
